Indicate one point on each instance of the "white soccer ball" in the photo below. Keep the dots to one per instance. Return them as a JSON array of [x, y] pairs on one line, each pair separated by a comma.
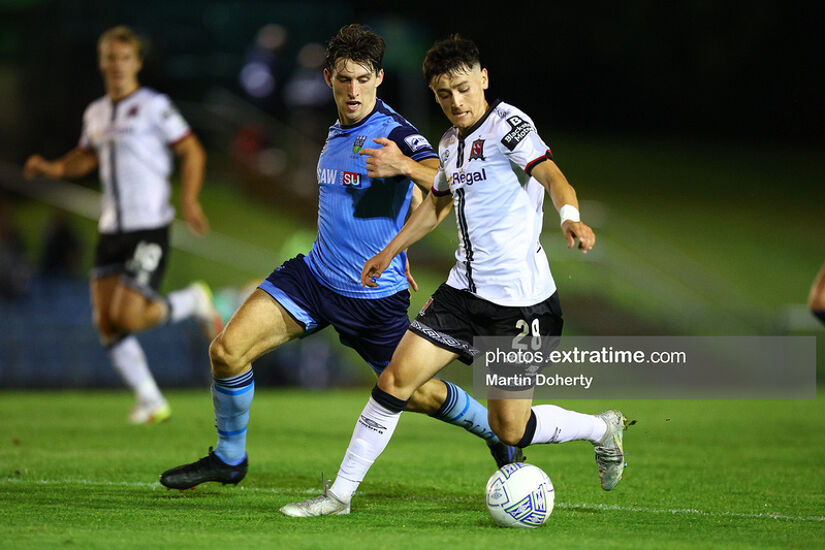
[[520, 495]]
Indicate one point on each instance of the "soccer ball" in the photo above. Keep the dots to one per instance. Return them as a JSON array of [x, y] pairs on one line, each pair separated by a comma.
[[520, 495]]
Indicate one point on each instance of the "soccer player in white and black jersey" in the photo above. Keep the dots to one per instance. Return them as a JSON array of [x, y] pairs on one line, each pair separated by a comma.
[[494, 168], [130, 134]]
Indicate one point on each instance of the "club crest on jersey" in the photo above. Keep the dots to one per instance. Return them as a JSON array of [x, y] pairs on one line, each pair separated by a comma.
[[359, 143], [351, 179], [477, 150], [133, 111], [520, 128]]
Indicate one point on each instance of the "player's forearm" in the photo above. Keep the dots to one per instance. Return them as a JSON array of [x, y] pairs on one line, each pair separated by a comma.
[[192, 169], [560, 190], [563, 193], [74, 164], [423, 220], [416, 198], [422, 173]]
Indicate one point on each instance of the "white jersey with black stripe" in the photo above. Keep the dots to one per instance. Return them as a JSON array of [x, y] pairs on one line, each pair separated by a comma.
[[498, 207], [132, 138]]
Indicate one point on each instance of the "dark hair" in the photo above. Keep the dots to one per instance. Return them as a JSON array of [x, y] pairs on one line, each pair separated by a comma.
[[358, 43], [450, 55]]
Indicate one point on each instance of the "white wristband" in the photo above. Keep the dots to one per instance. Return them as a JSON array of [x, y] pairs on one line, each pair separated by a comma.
[[569, 212]]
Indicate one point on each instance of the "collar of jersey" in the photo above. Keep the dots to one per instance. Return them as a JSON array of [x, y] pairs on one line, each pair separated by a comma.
[[378, 102], [480, 121], [124, 98]]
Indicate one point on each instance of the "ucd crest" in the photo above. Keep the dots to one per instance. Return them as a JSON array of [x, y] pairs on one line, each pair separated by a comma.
[[359, 143]]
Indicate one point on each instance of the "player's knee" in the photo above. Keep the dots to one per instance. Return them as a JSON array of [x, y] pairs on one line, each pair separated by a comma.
[[124, 320], [226, 359], [393, 385]]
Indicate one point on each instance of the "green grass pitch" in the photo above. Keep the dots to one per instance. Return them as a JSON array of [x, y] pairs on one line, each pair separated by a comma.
[[701, 474]]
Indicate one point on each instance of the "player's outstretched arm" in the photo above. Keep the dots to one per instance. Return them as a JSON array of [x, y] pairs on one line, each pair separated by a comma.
[[816, 298], [75, 164], [565, 201], [389, 161], [192, 166], [422, 221]]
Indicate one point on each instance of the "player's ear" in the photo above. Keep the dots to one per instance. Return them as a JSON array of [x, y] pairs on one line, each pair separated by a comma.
[[328, 77], [379, 77], [485, 80]]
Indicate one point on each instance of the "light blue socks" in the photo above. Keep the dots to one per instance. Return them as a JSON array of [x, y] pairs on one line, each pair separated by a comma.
[[462, 410], [231, 398]]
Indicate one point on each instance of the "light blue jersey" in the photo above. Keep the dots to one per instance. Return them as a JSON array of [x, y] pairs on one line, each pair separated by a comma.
[[359, 215]]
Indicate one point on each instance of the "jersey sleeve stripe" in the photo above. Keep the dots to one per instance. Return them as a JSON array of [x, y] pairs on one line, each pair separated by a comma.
[[424, 155], [535, 162], [439, 193], [183, 136]]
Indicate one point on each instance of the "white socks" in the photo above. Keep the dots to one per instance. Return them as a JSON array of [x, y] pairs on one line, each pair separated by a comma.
[[184, 303], [128, 359], [372, 433], [377, 423], [557, 425]]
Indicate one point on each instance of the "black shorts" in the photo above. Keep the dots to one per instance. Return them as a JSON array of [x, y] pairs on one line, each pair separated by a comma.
[[138, 256], [451, 318]]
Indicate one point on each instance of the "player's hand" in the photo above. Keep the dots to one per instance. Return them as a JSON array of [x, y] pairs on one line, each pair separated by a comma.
[[373, 268], [577, 230], [386, 162], [195, 218], [35, 166], [410, 279]]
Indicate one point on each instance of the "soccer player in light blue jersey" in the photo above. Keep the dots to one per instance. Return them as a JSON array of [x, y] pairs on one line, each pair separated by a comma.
[[357, 217]]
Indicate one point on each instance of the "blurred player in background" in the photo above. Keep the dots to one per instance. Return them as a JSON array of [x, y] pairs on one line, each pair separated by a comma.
[[357, 216], [130, 135], [816, 299], [495, 169]]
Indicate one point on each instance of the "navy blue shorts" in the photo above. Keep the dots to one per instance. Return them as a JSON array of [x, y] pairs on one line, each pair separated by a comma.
[[373, 328]]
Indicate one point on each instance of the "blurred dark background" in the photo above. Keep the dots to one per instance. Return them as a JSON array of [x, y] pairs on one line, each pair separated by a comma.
[[749, 71]]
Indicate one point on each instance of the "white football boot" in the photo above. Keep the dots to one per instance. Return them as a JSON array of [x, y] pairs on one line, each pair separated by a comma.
[[609, 451], [326, 504]]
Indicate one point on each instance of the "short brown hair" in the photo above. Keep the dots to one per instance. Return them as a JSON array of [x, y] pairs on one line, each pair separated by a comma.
[[357, 43], [121, 33], [450, 55]]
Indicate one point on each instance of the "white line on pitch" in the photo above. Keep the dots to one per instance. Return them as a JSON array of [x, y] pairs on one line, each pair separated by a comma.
[[685, 511], [562, 505]]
